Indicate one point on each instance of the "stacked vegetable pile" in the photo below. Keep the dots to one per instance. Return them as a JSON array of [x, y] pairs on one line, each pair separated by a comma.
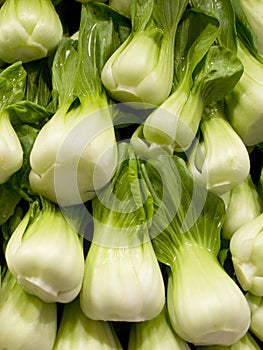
[[131, 177]]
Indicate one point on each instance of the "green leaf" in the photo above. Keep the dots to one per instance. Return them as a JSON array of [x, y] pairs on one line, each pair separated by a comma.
[[244, 30], [168, 13], [14, 218], [141, 12], [122, 196], [184, 212], [12, 84], [121, 24], [222, 256], [162, 14], [221, 72], [64, 70], [27, 112], [9, 198], [223, 11], [98, 39], [124, 204], [192, 45], [39, 85]]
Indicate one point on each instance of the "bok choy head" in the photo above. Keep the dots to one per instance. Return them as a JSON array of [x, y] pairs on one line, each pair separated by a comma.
[[45, 254], [26, 321], [71, 164], [122, 278], [204, 74], [31, 30], [204, 303], [141, 69], [218, 156]]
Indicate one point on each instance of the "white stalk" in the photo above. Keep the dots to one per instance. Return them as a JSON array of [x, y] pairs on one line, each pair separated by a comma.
[[27, 323], [11, 152], [246, 249], [122, 283], [31, 30], [205, 305], [46, 257]]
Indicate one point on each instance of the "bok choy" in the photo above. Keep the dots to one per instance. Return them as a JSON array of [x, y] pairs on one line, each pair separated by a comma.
[[45, 254], [26, 321], [125, 181], [141, 69], [204, 303], [204, 74], [69, 166], [31, 29], [122, 278], [218, 156]]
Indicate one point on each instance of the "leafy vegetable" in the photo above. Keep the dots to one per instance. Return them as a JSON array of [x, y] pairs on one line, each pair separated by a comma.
[[218, 157], [117, 227], [134, 71], [35, 254], [83, 151], [26, 321], [204, 74], [205, 305], [31, 29], [122, 279]]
